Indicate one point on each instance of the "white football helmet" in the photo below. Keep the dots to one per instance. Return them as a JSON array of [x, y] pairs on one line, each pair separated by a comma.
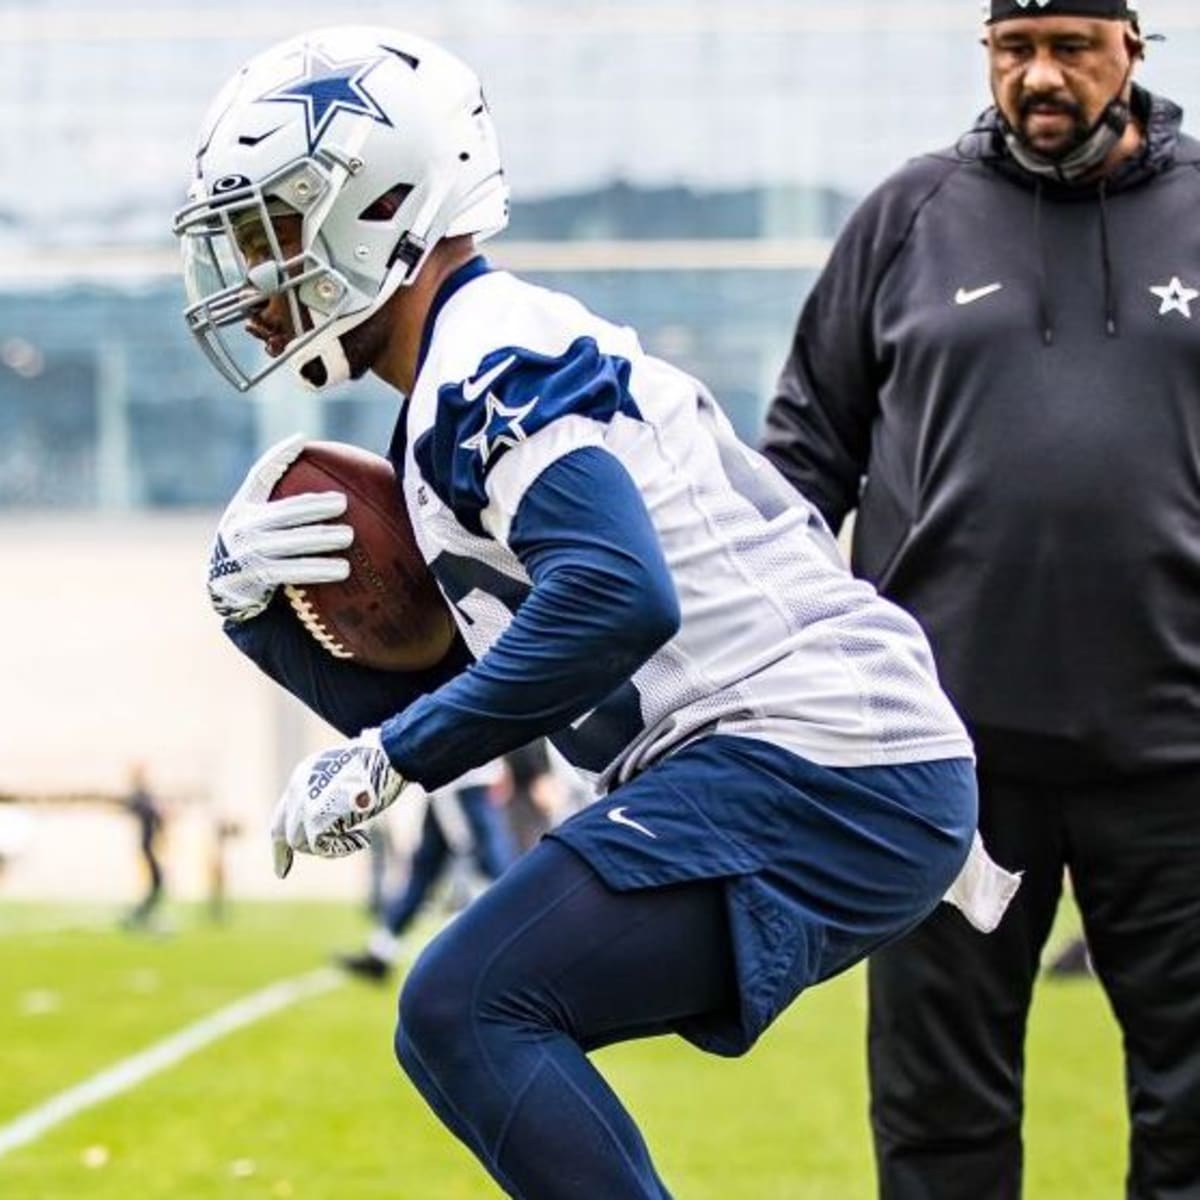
[[380, 142]]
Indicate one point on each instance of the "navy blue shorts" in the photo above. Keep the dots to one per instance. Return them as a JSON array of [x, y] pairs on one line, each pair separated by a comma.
[[822, 864]]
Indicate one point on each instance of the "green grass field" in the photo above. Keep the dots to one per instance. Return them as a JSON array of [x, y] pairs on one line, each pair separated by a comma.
[[308, 1103]]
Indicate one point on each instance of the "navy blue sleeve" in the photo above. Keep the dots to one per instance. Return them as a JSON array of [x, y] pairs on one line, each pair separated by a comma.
[[349, 696], [602, 603]]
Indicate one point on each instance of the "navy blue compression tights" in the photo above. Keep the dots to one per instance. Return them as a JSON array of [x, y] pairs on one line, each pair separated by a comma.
[[499, 1012]]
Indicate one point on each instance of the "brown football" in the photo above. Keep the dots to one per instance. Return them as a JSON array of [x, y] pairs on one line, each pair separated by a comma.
[[389, 613]]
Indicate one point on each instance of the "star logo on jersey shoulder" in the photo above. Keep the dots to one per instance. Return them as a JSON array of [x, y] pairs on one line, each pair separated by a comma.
[[1175, 296], [326, 88], [501, 426]]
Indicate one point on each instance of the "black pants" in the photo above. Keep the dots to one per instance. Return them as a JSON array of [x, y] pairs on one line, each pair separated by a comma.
[[948, 1006], [154, 888]]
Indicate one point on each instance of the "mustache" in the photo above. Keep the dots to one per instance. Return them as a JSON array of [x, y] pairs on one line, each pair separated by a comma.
[[1049, 101]]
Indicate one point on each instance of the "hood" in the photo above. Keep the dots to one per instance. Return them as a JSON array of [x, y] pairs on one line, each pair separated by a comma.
[[1159, 117]]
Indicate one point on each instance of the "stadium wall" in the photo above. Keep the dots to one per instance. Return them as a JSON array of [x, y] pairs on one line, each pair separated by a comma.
[[110, 657]]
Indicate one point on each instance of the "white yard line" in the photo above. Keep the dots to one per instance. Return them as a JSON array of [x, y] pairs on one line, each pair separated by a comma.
[[134, 1070]]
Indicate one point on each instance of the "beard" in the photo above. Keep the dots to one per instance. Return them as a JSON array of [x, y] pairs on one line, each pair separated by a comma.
[[1078, 134], [364, 344]]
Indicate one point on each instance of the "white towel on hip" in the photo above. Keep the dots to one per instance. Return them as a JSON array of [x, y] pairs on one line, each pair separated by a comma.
[[983, 888]]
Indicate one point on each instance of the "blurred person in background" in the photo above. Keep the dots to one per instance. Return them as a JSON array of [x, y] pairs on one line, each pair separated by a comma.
[[536, 800], [463, 820], [223, 831], [1005, 347], [779, 783], [380, 852], [1072, 961], [145, 808]]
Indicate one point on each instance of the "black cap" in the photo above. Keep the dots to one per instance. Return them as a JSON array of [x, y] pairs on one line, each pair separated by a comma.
[[1112, 10]]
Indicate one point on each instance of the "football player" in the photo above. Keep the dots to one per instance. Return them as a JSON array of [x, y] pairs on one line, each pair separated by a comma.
[[781, 784]]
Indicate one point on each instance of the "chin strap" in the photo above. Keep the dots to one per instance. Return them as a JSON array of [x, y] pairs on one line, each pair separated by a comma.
[[322, 364]]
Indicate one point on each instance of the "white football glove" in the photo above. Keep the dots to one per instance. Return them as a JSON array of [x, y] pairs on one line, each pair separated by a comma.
[[262, 543], [329, 796]]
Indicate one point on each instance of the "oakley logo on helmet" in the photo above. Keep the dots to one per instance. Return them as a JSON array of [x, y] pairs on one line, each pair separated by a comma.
[[229, 183]]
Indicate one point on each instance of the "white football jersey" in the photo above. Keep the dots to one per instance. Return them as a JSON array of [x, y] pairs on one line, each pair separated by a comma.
[[777, 641]]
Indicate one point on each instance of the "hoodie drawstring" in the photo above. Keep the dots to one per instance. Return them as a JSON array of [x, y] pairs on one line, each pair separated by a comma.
[[1110, 299], [1045, 320]]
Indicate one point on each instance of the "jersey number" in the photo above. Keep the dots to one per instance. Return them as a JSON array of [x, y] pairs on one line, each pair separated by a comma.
[[593, 740]]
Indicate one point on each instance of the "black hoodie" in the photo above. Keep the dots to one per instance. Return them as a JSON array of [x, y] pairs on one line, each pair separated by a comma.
[[1014, 366]]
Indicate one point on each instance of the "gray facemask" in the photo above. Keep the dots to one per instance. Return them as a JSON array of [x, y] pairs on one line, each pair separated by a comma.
[[1083, 159]]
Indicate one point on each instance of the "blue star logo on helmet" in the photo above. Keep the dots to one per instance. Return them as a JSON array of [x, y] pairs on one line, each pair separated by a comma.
[[326, 88]]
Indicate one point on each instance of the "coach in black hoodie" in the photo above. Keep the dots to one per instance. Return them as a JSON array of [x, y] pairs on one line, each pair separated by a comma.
[[1000, 369]]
